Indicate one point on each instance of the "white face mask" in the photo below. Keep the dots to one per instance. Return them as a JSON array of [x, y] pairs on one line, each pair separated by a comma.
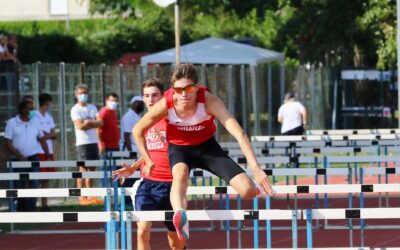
[[112, 105]]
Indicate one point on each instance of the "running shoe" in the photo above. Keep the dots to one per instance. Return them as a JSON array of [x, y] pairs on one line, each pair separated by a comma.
[[181, 224]]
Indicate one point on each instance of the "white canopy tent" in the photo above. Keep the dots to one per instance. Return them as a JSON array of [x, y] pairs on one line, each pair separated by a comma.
[[216, 51], [226, 52]]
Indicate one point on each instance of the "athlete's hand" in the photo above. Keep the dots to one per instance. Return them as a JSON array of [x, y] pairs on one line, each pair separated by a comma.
[[124, 172], [146, 170], [262, 179]]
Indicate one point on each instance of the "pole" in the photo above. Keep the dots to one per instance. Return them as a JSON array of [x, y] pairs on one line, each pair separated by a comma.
[[177, 35]]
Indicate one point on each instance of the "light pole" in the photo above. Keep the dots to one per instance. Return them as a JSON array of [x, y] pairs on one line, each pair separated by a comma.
[[165, 3]]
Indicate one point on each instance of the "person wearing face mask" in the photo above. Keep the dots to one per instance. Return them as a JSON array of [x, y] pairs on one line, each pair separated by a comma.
[[86, 121], [109, 133], [21, 138], [45, 122], [31, 105]]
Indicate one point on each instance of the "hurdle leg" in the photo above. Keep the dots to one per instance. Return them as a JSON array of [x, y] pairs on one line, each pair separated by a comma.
[[294, 228], [309, 229], [211, 203], [227, 227], [350, 205], [379, 177], [326, 165], [255, 224], [268, 229], [362, 221], [239, 222], [316, 180], [108, 223], [122, 221], [129, 230]]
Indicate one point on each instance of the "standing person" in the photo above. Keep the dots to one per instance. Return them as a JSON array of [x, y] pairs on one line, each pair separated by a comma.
[[109, 133], [189, 110], [152, 191], [130, 118], [45, 122], [21, 138], [84, 117], [293, 116]]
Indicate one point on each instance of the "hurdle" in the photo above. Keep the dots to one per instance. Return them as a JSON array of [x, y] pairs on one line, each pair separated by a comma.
[[292, 189], [353, 131], [267, 215], [109, 217]]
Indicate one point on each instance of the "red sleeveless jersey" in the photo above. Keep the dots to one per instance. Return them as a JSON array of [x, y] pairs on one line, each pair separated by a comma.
[[191, 131], [157, 147]]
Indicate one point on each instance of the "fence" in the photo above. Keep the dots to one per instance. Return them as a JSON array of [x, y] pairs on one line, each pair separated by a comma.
[[254, 106]]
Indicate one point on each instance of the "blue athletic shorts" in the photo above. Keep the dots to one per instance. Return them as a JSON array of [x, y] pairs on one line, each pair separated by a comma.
[[148, 195]]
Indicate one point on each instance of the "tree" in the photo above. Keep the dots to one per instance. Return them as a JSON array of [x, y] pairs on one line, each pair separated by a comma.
[[379, 19]]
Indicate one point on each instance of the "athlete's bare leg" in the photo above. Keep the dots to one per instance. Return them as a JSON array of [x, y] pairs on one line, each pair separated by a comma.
[[180, 173], [174, 242], [143, 235], [244, 186]]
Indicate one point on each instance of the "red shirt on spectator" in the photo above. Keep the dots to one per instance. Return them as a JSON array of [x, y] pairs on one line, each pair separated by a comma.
[[109, 133]]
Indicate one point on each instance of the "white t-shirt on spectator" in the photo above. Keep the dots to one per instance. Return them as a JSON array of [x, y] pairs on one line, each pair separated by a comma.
[[24, 136], [2, 49], [45, 123], [128, 121], [88, 112], [291, 114]]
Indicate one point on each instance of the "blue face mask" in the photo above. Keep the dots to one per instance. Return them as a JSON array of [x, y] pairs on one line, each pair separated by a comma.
[[83, 98], [32, 114]]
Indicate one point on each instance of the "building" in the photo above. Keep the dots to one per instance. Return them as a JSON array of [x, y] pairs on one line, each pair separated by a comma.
[[36, 10]]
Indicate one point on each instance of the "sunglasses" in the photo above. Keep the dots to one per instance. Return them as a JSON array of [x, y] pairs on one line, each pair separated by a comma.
[[188, 89]]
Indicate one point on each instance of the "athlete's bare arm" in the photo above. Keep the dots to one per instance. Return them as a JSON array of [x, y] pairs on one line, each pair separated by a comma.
[[155, 114], [216, 107]]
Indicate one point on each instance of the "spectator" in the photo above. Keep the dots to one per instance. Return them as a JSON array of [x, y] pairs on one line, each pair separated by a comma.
[[129, 120], [31, 105], [3, 47], [109, 132], [293, 116], [12, 47], [131, 117], [44, 121], [84, 117], [4, 53], [21, 138]]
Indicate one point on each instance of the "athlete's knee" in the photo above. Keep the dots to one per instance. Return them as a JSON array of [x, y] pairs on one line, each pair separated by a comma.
[[244, 186], [248, 192], [143, 234], [180, 171]]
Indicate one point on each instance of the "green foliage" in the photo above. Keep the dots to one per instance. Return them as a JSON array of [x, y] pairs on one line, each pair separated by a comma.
[[379, 19], [335, 32]]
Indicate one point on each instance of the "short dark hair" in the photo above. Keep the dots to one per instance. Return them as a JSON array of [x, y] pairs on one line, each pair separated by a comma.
[[26, 97], [154, 82], [23, 105], [44, 98], [113, 94], [289, 95], [187, 71]]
